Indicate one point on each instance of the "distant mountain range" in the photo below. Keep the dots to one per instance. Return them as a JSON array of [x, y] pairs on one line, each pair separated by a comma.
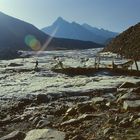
[[64, 29], [19, 35], [127, 43]]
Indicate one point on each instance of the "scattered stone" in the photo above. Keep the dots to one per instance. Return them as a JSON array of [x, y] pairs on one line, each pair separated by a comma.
[[125, 123], [108, 104], [16, 135], [133, 117], [78, 137], [61, 110], [5, 121], [108, 131], [129, 96], [43, 123], [98, 100], [71, 111], [71, 122], [131, 105], [127, 85], [129, 132], [137, 121], [35, 121], [111, 121], [45, 134], [136, 90], [86, 108], [80, 119]]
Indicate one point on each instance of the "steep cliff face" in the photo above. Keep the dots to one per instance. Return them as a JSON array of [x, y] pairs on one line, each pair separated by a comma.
[[127, 43]]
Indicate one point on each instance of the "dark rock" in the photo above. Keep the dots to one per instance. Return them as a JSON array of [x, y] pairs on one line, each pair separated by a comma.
[[14, 65], [129, 96], [128, 85], [137, 90], [131, 105], [35, 120], [86, 108], [133, 117], [16, 135], [78, 137], [60, 111], [71, 111], [5, 121], [125, 123], [108, 131], [42, 98], [43, 123], [80, 119], [138, 84], [111, 121]]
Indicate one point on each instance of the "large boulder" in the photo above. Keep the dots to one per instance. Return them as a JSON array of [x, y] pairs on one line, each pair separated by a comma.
[[45, 134]]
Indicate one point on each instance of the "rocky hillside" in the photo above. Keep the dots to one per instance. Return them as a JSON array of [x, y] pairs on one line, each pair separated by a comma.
[[127, 43]]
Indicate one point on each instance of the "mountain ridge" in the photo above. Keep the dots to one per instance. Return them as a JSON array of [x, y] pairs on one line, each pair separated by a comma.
[[16, 35], [73, 30]]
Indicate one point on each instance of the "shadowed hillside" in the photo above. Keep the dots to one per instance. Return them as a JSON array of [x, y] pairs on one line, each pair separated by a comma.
[[85, 32], [18, 35]]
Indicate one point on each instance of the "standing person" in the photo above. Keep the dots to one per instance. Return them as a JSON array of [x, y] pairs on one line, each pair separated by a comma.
[[36, 64]]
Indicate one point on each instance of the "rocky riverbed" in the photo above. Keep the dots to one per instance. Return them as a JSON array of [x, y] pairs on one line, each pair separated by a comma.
[[94, 116], [46, 105]]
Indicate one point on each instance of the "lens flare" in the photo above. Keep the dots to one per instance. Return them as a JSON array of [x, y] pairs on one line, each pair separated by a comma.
[[35, 45], [32, 42], [44, 47]]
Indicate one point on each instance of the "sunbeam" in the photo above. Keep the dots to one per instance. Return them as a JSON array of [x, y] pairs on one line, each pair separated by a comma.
[[44, 47]]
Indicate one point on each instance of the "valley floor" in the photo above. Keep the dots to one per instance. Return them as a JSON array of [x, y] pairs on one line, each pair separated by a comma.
[[96, 107]]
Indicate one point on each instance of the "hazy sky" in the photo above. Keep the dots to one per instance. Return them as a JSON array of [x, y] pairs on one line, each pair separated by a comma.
[[115, 15]]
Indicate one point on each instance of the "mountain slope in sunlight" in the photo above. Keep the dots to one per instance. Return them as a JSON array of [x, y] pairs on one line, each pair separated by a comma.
[[127, 43]]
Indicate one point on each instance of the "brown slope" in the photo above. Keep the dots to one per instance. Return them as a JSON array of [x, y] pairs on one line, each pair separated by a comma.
[[127, 43]]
